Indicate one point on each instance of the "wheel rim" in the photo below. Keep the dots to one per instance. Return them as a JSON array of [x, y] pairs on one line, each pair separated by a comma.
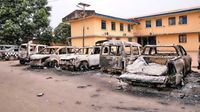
[[54, 64], [84, 66]]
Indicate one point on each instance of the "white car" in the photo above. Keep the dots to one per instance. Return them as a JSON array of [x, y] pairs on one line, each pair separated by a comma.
[[86, 58], [50, 56], [9, 52], [26, 50]]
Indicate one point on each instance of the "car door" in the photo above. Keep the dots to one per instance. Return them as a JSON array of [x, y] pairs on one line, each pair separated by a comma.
[[94, 55], [187, 59], [111, 57], [131, 54]]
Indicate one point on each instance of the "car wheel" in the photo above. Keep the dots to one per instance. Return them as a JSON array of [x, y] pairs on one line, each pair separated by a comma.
[[22, 62], [84, 66], [72, 68], [198, 66], [53, 64]]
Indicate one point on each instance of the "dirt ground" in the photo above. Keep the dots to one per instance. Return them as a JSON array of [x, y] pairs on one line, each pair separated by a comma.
[[87, 92]]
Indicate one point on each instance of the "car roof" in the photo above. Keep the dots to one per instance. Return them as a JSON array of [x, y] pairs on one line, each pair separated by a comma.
[[72, 47], [118, 42], [10, 45], [89, 47], [55, 46], [169, 45], [34, 44]]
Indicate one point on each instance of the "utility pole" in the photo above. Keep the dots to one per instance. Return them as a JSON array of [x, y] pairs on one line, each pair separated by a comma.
[[82, 6]]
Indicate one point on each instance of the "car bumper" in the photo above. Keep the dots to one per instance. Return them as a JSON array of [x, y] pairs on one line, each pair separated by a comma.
[[36, 63], [142, 78]]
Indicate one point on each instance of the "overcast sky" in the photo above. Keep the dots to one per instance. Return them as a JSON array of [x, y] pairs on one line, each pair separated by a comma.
[[118, 8]]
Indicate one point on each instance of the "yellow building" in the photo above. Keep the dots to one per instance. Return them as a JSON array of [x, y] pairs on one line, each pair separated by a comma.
[[173, 27], [97, 27]]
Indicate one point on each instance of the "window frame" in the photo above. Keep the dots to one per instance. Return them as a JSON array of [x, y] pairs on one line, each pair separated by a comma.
[[60, 51], [117, 38], [113, 26], [121, 27], [129, 28], [199, 36], [182, 21], [103, 24], [109, 38], [172, 23], [148, 25], [130, 39], [182, 38], [159, 23]]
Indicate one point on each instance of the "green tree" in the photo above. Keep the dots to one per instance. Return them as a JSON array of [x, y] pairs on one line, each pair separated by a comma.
[[62, 32], [21, 20], [46, 36]]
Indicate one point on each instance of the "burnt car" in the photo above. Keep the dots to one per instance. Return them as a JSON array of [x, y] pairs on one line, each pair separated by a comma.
[[28, 49], [50, 56], [160, 66], [9, 52], [85, 59], [116, 55]]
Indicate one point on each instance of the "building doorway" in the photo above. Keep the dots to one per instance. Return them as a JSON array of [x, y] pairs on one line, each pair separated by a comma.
[[147, 40]]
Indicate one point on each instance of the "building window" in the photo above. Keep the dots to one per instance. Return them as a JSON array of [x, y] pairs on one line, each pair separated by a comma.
[[129, 27], [172, 20], [117, 38], [121, 27], [103, 24], [109, 38], [130, 39], [148, 24], [199, 36], [158, 22], [113, 26], [183, 20], [182, 38]]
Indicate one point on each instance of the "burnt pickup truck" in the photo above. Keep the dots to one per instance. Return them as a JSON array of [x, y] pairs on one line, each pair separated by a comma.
[[116, 55], [160, 66]]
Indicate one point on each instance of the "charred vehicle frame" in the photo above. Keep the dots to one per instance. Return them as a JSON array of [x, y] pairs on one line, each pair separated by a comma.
[[116, 55], [160, 66], [50, 56], [84, 59], [26, 50]]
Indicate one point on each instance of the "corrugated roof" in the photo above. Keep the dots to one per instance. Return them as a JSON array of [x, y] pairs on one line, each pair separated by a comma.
[[191, 9], [116, 18]]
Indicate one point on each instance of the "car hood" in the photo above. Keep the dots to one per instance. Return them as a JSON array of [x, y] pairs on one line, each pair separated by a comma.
[[39, 56]]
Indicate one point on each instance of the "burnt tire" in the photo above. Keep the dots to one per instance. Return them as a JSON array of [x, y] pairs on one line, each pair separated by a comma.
[[84, 66], [22, 62], [53, 64], [198, 66]]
